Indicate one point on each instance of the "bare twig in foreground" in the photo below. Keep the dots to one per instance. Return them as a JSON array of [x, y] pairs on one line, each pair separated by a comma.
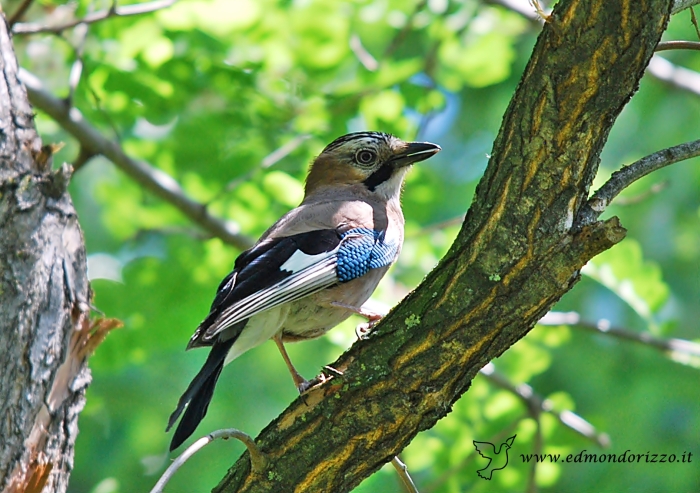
[[678, 45], [402, 470], [258, 461]]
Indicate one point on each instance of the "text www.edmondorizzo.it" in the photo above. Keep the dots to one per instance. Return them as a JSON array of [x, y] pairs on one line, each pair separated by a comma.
[[626, 457]]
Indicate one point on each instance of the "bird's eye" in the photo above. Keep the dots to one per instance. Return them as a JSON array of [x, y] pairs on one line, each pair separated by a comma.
[[365, 157]]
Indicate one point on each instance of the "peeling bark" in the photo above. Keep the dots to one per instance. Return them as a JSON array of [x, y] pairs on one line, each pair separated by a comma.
[[43, 301]]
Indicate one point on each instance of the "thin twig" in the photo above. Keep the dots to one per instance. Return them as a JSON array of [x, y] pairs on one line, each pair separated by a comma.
[[21, 10], [679, 5], [624, 177], [76, 70], [636, 199], [402, 470], [536, 414], [520, 7], [536, 450], [678, 45], [193, 233], [160, 183], [455, 221], [678, 77], [258, 461], [672, 346], [361, 53], [113, 11], [694, 22], [535, 403], [100, 108], [541, 14], [84, 156]]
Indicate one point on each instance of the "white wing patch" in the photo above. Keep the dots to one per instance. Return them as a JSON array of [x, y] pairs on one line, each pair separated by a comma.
[[300, 260]]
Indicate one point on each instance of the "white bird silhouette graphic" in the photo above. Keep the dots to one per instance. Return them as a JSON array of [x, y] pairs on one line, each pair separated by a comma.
[[498, 459]]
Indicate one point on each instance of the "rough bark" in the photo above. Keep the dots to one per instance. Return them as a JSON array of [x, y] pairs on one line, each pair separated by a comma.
[[518, 252], [43, 301]]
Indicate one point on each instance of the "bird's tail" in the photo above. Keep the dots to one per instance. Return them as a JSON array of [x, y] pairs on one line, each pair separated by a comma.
[[196, 398]]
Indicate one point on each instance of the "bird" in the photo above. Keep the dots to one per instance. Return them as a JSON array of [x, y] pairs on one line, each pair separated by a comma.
[[497, 459], [313, 268]]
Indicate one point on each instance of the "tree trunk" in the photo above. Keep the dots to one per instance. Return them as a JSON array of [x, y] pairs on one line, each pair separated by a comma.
[[519, 251], [44, 333]]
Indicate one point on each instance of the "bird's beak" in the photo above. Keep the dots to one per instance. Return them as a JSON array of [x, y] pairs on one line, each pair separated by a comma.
[[414, 152]]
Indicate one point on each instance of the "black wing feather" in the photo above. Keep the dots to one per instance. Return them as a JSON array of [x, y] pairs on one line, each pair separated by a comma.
[[198, 395], [259, 268], [255, 269]]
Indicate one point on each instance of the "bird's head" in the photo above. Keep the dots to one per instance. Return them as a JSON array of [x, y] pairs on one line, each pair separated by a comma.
[[373, 160]]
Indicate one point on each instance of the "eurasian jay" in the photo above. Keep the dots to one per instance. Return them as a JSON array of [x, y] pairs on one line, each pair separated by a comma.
[[314, 267]]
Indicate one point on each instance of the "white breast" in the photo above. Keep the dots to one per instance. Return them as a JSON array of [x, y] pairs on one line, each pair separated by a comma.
[[259, 329]]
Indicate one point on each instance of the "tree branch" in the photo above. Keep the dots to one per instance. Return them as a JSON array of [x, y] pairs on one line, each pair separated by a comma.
[[153, 179], [680, 5], [679, 77], [515, 256], [678, 45], [537, 404], [624, 177], [636, 199], [21, 10], [672, 346], [128, 10]]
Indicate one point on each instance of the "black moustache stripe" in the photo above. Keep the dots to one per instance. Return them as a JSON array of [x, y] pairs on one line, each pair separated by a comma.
[[378, 177]]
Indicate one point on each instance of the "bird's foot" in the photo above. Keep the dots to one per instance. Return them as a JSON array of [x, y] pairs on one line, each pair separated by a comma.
[[322, 378], [362, 330], [304, 386]]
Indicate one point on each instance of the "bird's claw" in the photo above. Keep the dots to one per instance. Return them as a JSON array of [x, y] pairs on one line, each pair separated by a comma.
[[322, 378], [362, 330], [304, 386]]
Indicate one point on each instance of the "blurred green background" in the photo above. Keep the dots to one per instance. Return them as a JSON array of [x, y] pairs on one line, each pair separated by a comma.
[[233, 99]]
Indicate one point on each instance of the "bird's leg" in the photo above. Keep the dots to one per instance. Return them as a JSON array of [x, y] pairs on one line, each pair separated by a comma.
[[372, 318], [301, 383]]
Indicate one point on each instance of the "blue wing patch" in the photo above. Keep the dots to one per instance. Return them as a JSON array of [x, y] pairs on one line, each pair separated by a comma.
[[365, 249]]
